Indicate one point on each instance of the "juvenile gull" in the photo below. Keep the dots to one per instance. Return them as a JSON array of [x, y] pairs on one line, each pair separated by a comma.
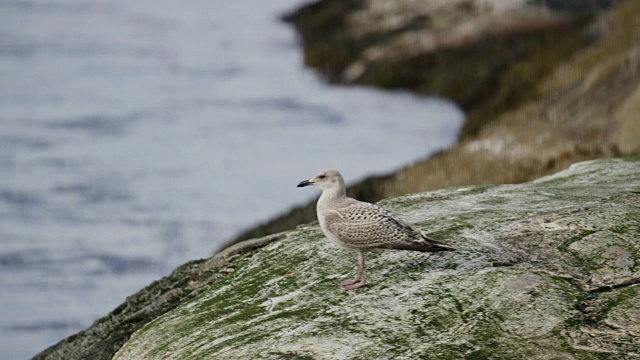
[[361, 226]]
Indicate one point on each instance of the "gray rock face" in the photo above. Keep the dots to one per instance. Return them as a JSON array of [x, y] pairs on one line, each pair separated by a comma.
[[545, 270]]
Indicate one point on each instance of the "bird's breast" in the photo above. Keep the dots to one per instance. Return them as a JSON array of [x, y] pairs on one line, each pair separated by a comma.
[[322, 219]]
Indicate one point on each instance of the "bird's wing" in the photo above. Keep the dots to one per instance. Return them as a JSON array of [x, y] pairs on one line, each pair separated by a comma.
[[365, 225]]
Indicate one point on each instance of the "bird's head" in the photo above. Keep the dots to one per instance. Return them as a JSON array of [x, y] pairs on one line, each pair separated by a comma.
[[325, 180]]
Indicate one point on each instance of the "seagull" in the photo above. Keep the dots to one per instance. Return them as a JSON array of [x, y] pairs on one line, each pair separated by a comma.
[[361, 226]]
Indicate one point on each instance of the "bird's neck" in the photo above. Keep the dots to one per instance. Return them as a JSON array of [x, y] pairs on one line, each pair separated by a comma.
[[332, 194]]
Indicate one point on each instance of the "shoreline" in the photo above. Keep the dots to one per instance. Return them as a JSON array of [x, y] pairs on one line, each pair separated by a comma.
[[507, 137]]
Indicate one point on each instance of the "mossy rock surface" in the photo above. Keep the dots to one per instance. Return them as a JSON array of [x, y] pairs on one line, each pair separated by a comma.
[[545, 270]]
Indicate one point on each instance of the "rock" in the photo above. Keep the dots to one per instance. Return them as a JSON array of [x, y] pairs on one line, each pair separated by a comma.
[[545, 270], [486, 55], [585, 109]]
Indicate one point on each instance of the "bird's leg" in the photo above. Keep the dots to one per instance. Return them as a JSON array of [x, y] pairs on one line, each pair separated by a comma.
[[357, 278], [360, 275]]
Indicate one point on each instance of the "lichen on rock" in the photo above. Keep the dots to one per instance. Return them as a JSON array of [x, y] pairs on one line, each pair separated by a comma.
[[545, 270]]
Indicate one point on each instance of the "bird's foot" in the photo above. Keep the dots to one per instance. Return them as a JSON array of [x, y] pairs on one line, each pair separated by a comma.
[[354, 286], [348, 282]]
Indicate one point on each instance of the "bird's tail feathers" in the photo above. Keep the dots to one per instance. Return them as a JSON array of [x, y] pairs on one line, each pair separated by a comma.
[[429, 245], [438, 244]]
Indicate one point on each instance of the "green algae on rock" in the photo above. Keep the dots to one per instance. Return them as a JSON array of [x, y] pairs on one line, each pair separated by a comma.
[[545, 270]]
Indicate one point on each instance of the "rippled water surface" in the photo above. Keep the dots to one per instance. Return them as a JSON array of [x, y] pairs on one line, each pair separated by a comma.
[[136, 135]]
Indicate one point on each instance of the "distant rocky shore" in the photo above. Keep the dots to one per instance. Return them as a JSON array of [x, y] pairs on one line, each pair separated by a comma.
[[543, 88]]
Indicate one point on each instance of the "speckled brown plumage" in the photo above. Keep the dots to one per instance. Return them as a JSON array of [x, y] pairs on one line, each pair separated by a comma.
[[361, 225]]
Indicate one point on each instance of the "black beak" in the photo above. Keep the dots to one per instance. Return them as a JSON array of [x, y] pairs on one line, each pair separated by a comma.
[[305, 183]]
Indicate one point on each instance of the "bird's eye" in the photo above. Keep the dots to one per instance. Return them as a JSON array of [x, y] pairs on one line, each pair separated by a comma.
[[321, 177]]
